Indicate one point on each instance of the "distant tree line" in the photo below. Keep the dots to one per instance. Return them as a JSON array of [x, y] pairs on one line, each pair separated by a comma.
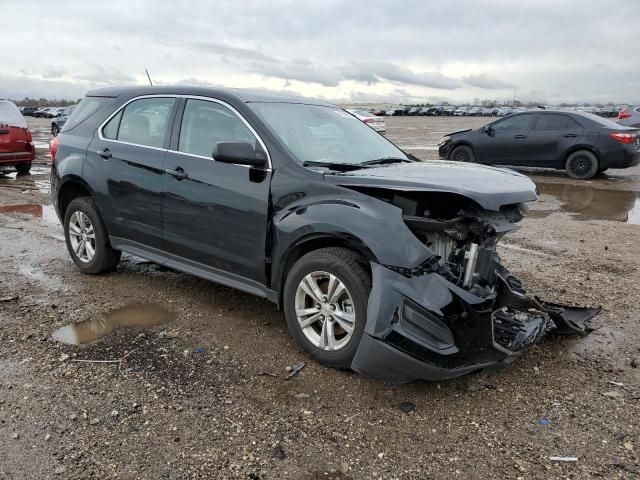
[[44, 102]]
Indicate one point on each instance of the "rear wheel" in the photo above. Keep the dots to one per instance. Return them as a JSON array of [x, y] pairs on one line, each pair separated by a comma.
[[23, 168], [325, 303], [55, 130], [581, 165], [462, 153], [87, 238]]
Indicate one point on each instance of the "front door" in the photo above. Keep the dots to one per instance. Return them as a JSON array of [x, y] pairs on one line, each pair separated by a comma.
[[215, 214], [505, 141], [127, 157]]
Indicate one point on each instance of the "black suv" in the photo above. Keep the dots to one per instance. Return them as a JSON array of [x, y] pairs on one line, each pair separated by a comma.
[[381, 263]]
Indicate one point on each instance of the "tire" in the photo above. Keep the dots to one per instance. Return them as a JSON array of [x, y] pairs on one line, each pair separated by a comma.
[[23, 168], [55, 130], [347, 267], [462, 153], [581, 165], [82, 210]]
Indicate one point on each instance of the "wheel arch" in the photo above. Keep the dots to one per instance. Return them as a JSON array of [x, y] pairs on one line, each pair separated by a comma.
[[576, 148], [466, 143], [72, 188], [316, 241]]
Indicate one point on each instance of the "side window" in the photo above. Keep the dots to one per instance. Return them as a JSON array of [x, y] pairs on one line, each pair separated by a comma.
[[110, 130], [205, 124], [553, 121], [143, 122], [513, 124]]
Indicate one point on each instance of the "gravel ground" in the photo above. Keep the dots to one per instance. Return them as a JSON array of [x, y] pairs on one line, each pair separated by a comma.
[[205, 395]]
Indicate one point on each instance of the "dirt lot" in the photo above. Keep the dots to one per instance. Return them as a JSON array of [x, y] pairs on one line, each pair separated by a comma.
[[204, 395]]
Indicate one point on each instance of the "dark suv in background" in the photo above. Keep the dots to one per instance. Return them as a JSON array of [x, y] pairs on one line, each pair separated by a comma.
[[381, 263]]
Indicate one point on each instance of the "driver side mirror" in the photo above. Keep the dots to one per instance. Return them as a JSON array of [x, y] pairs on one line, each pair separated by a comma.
[[241, 153], [488, 129]]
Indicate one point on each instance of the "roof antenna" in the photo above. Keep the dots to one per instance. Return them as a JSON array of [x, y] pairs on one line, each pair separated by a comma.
[[150, 82]]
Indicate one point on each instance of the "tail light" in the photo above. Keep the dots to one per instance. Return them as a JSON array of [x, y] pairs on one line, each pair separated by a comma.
[[29, 136], [368, 120], [623, 114], [624, 137], [54, 144]]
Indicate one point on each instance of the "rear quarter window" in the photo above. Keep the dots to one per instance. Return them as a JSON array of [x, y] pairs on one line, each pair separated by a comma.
[[87, 107]]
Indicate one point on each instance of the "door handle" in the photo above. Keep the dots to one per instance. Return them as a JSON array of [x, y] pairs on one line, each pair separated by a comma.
[[520, 137], [178, 173], [106, 153], [570, 135]]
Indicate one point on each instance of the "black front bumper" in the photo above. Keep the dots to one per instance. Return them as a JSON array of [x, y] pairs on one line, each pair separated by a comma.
[[424, 327], [444, 149]]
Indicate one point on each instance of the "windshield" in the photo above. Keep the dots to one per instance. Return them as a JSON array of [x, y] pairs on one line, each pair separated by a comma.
[[325, 134]]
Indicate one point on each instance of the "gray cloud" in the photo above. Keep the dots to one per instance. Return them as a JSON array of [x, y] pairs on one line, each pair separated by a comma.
[[333, 48], [487, 82]]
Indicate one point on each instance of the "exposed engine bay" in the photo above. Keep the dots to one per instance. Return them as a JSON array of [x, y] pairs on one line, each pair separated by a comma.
[[463, 238]]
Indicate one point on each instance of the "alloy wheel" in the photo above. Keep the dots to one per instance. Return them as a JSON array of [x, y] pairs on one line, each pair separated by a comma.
[[82, 236], [580, 164], [325, 310], [460, 155]]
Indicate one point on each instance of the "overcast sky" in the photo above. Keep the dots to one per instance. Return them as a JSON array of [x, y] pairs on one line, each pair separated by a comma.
[[358, 51]]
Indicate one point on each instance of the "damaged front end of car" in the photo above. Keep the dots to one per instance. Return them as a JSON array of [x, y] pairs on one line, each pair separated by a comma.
[[460, 310]]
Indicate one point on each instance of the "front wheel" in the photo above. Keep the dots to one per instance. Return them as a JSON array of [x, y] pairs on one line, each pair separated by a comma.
[[55, 130], [87, 239], [581, 165], [462, 153], [325, 302]]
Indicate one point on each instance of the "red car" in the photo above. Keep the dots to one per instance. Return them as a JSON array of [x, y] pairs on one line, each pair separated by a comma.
[[16, 143]]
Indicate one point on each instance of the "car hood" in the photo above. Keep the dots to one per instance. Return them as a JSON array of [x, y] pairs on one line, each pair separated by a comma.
[[459, 131], [490, 187]]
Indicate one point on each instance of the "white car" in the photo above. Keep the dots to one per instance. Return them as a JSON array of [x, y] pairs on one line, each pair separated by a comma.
[[377, 123], [460, 112]]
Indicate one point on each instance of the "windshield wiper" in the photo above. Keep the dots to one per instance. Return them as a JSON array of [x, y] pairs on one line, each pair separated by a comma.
[[386, 160], [343, 167]]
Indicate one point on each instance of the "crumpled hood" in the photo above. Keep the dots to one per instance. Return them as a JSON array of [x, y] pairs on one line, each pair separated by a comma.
[[490, 187]]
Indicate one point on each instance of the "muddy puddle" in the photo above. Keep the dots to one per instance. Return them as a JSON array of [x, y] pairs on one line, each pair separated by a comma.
[[46, 212], [585, 202], [141, 315]]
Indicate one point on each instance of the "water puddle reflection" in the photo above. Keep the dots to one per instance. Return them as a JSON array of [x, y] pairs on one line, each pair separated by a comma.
[[588, 203], [142, 315], [46, 212]]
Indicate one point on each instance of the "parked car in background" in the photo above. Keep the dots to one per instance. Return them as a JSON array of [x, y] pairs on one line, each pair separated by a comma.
[[381, 264], [630, 117], [581, 143], [40, 112], [395, 112], [460, 111], [490, 111], [60, 119], [475, 112], [27, 111], [54, 112], [16, 143], [448, 110], [504, 111], [377, 123]]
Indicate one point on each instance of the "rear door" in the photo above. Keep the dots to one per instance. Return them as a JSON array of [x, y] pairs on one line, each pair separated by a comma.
[[215, 214], [505, 142], [127, 156], [551, 136]]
